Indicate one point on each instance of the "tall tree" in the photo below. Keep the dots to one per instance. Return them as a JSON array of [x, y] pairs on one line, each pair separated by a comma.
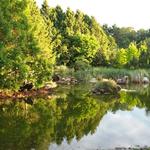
[[25, 52], [68, 25]]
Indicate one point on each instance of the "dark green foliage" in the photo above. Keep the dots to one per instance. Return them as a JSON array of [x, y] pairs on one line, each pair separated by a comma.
[[125, 37]]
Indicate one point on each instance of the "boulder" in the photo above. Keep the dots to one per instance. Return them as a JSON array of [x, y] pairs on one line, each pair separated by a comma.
[[56, 77], [123, 80], [136, 79], [26, 87], [93, 80], [50, 85], [145, 80], [67, 80]]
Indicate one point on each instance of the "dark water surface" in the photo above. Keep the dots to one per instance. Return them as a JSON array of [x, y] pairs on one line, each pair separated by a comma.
[[73, 119]]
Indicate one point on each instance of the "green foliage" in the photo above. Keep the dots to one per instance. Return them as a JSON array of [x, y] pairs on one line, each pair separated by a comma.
[[129, 56], [45, 58], [81, 64], [144, 59], [107, 86], [111, 73], [137, 54], [81, 46], [121, 58], [25, 52], [133, 54], [77, 35], [30, 38]]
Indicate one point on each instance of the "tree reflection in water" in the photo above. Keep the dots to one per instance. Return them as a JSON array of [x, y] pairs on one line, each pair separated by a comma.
[[72, 113]]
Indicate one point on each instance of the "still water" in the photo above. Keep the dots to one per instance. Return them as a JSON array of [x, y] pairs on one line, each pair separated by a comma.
[[74, 119]]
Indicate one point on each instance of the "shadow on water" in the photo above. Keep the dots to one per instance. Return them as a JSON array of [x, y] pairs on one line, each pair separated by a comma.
[[72, 113]]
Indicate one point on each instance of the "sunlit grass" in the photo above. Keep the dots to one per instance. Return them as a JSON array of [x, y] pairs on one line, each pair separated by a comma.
[[103, 72]]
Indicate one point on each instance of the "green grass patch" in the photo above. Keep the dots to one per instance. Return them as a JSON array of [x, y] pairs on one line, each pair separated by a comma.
[[103, 72]]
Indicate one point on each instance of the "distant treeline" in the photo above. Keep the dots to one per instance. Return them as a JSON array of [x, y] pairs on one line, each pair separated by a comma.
[[33, 40]]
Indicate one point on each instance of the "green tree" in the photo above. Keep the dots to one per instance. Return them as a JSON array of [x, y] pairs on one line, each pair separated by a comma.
[[69, 22], [25, 52], [144, 59], [133, 54], [121, 57], [66, 26], [123, 36], [82, 46]]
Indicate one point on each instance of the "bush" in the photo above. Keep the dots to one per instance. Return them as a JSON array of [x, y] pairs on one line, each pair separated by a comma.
[[81, 64], [107, 87], [63, 71]]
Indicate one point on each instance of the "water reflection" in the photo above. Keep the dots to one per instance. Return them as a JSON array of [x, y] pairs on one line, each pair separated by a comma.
[[75, 119]]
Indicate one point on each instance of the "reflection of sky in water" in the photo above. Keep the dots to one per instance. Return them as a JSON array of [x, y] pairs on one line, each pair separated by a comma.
[[120, 129]]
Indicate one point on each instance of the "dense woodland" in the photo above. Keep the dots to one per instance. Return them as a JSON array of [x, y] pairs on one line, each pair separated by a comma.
[[33, 40]]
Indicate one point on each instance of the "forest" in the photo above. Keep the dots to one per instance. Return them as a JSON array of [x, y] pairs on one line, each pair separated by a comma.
[[33, 41]]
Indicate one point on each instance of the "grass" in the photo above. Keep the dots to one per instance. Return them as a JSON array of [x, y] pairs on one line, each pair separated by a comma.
[[113, 73], [107, 86], [103, 72]]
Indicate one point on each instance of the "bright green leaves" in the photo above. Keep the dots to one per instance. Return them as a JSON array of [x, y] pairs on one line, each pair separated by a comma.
[[25, 50], [83, 46], [128, 56], [121, 57], [132, 52], [78, 46]]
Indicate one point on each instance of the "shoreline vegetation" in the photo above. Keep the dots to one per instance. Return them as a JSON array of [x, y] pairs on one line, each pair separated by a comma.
[[41, 92], [102, 77], [85, 75]]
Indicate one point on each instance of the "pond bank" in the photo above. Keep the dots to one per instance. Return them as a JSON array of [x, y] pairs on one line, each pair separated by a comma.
[[68, 76], [32, 93]]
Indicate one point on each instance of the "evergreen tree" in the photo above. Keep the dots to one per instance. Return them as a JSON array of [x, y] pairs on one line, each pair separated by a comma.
[[69, 22], [79, 26]]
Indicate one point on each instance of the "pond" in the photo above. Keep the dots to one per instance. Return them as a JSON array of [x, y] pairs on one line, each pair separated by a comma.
[[74, 119]]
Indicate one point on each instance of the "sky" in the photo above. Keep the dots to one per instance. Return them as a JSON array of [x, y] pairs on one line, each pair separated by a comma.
[[123, 13], [128, 129]]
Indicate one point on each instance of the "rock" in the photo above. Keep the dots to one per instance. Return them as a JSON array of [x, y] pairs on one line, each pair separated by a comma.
[[93, 80], [145, 80], [127, 90], [56, 77], [50, 85], [67, 80], [26, 87], [136, 80], [28, 100], [73, 80], [123, 80]]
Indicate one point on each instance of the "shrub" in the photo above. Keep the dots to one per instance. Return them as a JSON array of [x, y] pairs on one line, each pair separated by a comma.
[[81, 64], [107, 86]]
